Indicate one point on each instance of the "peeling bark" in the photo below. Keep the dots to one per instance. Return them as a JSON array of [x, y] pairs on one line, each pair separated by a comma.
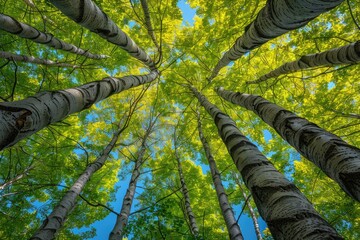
[[287, 212], [227, 212], [276, 18], [31, 59], [23, 30], [337, 159], [348, 54], [89, 15], [22, 118], [56, 219], [122, 219]]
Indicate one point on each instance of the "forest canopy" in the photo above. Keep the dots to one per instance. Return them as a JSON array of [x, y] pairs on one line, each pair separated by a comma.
[[122, 119]]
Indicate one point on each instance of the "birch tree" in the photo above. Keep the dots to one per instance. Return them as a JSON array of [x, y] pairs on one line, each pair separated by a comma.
[[288, 214], [23, 30], [349, 54], [275, 19], [227, 212], [32, 59], [122, 219], [89, 15], [22, 118], [339, 160]]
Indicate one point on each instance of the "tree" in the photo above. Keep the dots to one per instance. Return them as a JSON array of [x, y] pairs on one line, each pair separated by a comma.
[[52, 150]]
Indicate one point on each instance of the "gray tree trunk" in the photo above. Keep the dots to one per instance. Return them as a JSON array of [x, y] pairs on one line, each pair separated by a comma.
[[23, 30], [287, 212], [148, 24], [227, 212], [276, 18], [337, 159], [251, 210], [31, 59], [89, 15], [56, 219], [348, 54], [122, 219], [22, 118]]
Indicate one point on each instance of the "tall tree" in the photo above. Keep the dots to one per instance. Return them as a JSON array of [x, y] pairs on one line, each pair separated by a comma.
[[275, 19], [227, 212], [294, 217], [339, 160], [23, 30], [122, 219], [88, 14], [25, 117], [349, 54]]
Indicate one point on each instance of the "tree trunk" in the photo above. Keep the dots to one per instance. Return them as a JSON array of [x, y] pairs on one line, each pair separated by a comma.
[[148, 24], [348, 54], [31, 59], [287, 212], [56, 219], [227, 212], [89, 15], [251, 210], [337, 159], [275, 19], [22, 118], [23, 30], [122, 219]]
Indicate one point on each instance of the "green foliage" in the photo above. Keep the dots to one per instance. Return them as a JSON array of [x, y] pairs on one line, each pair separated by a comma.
[[58, 154]]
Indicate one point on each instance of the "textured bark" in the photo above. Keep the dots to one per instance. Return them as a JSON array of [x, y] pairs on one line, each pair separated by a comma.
[[251, 210], [276, 18], [122, 219], [23, 30], [148, 24], [227, 212], [348, 54], [31, 59], [188, 210], [89, 15], [56, 219], [22, 118], [287, 212], [337, 159]]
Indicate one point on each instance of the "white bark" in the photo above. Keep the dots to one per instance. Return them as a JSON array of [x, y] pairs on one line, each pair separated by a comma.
[[56, 219], [348, 54], [275, 19], [122, 219], [31, 59], [16, 178], [23, 30], [89, 15], [251, 210], [22, 118], [337, 159], [287, 212], [227, 212]]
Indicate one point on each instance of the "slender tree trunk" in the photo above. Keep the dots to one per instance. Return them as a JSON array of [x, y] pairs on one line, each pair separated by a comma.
[[22, 118], [337, 159], [148, 24], [56, 219], [348, 54], [275, 19], [31, 59], [251, 210], [287, 212], [89, 15], [122, 219], [23, 30], [16, 178], [227, 212]]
